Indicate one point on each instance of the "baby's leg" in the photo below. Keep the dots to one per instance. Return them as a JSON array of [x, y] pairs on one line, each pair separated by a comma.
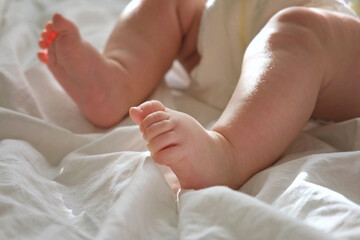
[[301, 64], [85, 74], [149, 35], [288, 72]]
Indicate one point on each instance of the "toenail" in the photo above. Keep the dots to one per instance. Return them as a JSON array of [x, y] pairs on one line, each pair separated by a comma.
[[138, 108]]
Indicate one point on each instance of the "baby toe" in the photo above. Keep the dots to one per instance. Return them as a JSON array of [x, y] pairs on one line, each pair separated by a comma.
[[154, 118], [43, 57], [163, 141], [149, 107], [49, 27], [157, 129], [170, 156], [138, 114], [48, 36], [44, 44], [45, 35]]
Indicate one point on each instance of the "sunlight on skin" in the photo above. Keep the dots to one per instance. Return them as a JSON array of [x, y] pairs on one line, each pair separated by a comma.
[[47, 36], [263, 61]]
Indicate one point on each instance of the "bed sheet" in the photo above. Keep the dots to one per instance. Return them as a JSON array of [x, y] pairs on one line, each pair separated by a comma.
[[62, 178]]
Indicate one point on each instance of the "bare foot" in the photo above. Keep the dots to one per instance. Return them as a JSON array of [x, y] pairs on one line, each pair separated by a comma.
[[93, 81], [198, 157]]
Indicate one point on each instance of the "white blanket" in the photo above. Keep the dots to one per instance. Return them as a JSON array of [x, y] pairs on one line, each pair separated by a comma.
[[62, 178]]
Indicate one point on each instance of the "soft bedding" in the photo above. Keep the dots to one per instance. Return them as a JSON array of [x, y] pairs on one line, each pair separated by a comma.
[[62, 178]]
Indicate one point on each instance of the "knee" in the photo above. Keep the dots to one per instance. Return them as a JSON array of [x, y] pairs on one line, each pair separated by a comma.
[[298, 28], [304, 16]]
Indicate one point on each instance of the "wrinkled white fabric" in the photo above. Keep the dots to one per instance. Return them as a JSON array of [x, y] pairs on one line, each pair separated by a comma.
[[62, 178]]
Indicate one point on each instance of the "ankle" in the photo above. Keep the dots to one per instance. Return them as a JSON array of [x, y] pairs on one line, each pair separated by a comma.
[[108, 104], [104, 115], [232, 160]]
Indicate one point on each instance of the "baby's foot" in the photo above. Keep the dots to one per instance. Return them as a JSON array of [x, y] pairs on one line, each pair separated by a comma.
[[87, 76], [198, 157]]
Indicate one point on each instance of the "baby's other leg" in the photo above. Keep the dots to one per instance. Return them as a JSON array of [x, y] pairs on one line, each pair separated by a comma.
[[286, 69], [91, 80], [148, 36]]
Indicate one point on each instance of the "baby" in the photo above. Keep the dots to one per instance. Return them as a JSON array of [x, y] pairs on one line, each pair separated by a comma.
[[303, 63]]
